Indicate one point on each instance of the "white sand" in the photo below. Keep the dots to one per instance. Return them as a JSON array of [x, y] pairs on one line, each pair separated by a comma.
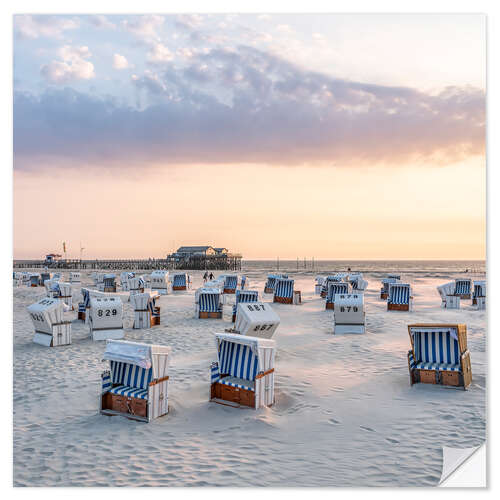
[[345, 414]]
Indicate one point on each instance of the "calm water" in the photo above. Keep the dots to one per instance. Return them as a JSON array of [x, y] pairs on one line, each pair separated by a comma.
[[425, 267]]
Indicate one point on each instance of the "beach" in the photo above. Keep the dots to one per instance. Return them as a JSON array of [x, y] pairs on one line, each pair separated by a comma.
[[345, 413]]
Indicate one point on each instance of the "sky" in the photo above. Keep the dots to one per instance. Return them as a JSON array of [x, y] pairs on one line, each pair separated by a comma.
[[327, 136]]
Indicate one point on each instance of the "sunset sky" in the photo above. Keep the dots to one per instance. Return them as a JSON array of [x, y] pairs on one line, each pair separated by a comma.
[[333, 136]]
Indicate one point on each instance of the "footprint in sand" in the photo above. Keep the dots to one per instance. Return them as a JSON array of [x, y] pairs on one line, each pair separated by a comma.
[[334, 421], [367, 428], [394, 441]]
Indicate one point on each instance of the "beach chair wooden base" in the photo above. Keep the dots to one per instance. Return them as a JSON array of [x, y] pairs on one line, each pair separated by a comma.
[[210, 315], [233, 318], [474, 301], [229, 291], [110, 289], [268, 290], [464, 296], [32, 284], [179, 288], [398, 307], [230, 394], [383, 295], [283, 300], [330, 306], [134, 408]]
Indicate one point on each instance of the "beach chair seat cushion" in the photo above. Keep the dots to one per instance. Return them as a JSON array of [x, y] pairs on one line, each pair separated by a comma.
[[127, 390], [241, 383], [438, 366]]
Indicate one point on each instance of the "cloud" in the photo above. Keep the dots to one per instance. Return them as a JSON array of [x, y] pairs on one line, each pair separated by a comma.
[[189, 21], [101, 22], [159, 54], [36, 26], [144, 27], [245, 105], [73, 66], [120, 62]]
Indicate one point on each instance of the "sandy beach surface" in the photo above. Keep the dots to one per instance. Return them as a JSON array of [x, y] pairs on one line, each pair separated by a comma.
[[345, 414]]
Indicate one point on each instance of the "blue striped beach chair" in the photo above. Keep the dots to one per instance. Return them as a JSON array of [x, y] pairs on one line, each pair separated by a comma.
[[84, 305], [34, 280], [230, 284], [209, 304], [283, 292], [244, 371], [270, 283], [463, 288], [384, 290], [326, 283], [439, 355], [109, 283], [335, 288], [136, 384], [479, 291], [179, 282], [243, 296], [243, 282], [399, 298]]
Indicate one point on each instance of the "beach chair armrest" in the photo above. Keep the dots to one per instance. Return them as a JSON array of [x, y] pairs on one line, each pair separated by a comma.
[[106, 383], [411, 360], [214, 372]]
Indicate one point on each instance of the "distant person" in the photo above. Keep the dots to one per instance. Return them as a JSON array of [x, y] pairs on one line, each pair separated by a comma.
[[205, 277], [348, 268], [211, 277]]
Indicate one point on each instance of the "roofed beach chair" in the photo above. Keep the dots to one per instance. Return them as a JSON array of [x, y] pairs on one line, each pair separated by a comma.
[[271, 282], [124, 277], [44, 277], [463, 288], [244, 296], [230, 283], [358, 284], [335, 288], [34, 279], [244, 371], [326, 283], [61, 291], [51, 329], [75, 277], [179, 282], [159, 281], [106, 318], [84, 305], [400, 298], [208, 303], [146, 312], [384, 290], [284, 292], [479, 291], [439, 355], [136, 384], [136, 285], [17, 279], [349, 313], [318, 284], [109, 283], [256, 319], [448, 298]]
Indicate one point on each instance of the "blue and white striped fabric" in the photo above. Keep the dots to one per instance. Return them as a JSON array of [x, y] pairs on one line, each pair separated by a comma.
[[81, 307], [479, 291], [284, 288], [411, 359], [133, 392], [34, 280], [214, 372], [179, 280], [86, 298], [436, 347], [462, 287], [109, 282], [106, 382], [231, 282], [238, 382], [328, 280], [334, 289], [245, 297], [271, 281], [438, 366], [209, 302], [237, 360], [131, 375], [399, 293], [243, 281], [386, 282]]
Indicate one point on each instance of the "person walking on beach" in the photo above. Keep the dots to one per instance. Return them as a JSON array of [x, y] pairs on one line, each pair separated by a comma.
[[205, 277], [211, 277]]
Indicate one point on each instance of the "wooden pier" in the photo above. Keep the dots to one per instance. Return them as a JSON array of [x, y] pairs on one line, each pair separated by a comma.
[[227, 262]]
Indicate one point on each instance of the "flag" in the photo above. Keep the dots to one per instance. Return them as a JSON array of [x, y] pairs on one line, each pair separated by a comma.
[[64, 246]]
